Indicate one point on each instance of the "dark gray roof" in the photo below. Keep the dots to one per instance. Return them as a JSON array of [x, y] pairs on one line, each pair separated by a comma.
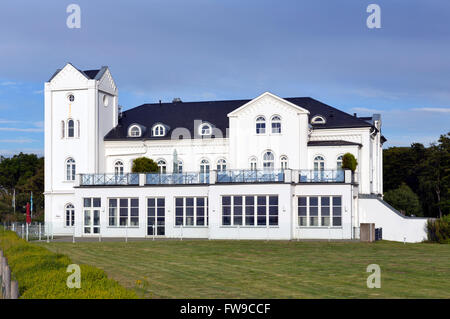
[[90, 74], [183, 114], [332, 143]]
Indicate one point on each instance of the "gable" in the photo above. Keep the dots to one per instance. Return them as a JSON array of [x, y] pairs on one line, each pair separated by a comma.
[[270, 100], [68, 77], [106, 82]]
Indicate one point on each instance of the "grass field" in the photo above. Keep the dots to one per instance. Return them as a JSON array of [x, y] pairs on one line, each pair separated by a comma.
[[258, 269]]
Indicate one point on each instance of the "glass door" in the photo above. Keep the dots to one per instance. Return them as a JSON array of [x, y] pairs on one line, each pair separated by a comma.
[[156, 225], [91, 216]]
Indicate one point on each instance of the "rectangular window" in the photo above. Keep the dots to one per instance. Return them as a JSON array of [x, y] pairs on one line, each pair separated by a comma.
[[191, 211], [337, 211], [249, 211], [319, 211], [302, 207], [241, 210], [91, 210], [314, 211], [123, 212]]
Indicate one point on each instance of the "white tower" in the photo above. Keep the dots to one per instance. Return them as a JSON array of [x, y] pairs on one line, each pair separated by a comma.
[[80, 108]]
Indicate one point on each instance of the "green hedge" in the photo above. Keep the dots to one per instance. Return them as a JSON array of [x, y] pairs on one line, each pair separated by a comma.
[[439, 230], [42, 274]]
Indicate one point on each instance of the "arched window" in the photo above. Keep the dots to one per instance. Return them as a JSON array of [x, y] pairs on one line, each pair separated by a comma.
[[134, 131], [221, 165], [318, 119], [260, 125], [253, 164], [70, 169], [63, 129], [319, 163], [339, 162], [162, 166], [70, 215], [70, 128], [268, 160], [158, 130], [118, 168], [284, 162], [205, 129], [276, 124]]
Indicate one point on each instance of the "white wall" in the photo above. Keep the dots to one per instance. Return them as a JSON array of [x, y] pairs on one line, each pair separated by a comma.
[[395, 227]]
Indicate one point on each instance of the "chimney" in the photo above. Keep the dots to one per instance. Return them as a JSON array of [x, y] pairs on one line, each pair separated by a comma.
[[354, 114]]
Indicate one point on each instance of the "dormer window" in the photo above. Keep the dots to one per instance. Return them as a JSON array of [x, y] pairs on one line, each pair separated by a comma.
[[158, 130], [71, 98], [205, 129], [134, 131], [318, 119]]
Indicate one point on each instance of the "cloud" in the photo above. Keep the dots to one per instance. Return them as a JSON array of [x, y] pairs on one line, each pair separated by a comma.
[[18, 141], [4, 121], [366, 110], [432, 109], [17, 129], [8, 83]]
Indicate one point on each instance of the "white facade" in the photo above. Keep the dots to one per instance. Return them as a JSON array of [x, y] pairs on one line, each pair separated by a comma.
[[288, 163]]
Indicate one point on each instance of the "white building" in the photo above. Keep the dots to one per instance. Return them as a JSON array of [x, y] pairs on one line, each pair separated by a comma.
[[267, 168]]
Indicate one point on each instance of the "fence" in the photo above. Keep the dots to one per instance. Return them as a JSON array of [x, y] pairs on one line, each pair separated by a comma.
[[9, 288], [33, 231]]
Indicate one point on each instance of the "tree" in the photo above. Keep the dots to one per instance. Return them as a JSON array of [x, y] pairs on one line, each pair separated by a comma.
[[349, 162], [144, 165], [404, 200]]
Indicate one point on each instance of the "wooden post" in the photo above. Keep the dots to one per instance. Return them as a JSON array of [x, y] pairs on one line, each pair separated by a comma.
[[7, 282], [14, 289]]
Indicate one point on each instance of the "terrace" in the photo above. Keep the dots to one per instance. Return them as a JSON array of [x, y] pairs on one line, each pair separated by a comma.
[[216, 177]]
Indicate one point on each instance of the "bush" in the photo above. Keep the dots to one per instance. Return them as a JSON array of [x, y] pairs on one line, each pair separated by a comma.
[[42, 274], [438, 230], [144, 165], [349, 162], [405, 200]]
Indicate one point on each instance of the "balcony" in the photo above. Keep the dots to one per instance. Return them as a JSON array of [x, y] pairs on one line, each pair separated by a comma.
[[250, 176], [323, 176], [177, 178], [108, 179], [216, 177]]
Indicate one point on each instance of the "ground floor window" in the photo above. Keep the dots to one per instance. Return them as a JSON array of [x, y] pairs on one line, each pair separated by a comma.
[[70, 215], [250, 210], [123, 212], [156, 216], [91, 210], [191, 211], [319, 211]]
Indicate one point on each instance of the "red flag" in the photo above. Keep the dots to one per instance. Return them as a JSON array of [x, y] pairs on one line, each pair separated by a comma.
[[28, 214]]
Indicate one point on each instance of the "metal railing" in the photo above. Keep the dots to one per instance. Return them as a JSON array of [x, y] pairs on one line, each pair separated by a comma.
[[250, 176], [321, 176], [109, 179], [177, 178]]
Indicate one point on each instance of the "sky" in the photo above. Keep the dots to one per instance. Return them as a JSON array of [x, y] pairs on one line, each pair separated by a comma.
[[228, 49]]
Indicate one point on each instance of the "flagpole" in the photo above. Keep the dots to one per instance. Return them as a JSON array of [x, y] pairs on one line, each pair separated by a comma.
[[14, 201]]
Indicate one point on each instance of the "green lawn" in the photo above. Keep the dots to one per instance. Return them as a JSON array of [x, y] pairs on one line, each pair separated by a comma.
[[277, 269]]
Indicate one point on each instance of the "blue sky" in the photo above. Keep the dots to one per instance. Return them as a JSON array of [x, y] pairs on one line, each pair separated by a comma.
[[216, 49]]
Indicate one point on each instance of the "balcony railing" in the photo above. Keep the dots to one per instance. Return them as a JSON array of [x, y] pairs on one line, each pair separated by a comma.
[[321, 176], [250, 176], [217, 177], [176, 178], [109, 179]]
